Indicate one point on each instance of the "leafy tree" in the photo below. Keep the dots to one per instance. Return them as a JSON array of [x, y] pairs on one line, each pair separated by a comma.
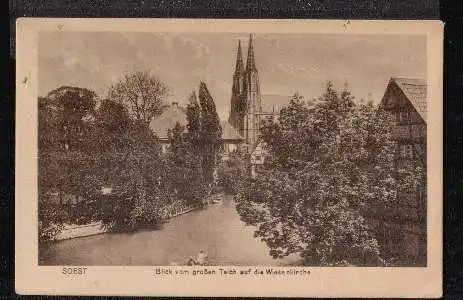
[[331, 164], [113, 117], [136, 174], [180, 149], [232, 171], [142, 94], [50, 214], [50, 220], [112, 121], [48, 125], [73, 107], [63, 125], [211, 132], [186, 172], [295, 128], [82, 150], [48, 146], [194, 124]]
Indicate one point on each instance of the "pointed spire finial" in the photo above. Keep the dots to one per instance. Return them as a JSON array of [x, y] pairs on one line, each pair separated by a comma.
[[239, 68], [250, 62], [192, 99]]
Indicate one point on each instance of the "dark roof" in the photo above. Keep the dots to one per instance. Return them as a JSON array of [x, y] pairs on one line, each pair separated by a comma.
[[167, 120], [174, 113], [415, 90], [229, 133], [273, 103]]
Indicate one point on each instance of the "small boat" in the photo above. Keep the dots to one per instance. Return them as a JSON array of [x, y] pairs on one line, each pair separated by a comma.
[[216, 201], [199, 260]]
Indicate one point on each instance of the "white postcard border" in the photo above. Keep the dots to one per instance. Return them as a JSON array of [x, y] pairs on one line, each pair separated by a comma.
[[327, 282]]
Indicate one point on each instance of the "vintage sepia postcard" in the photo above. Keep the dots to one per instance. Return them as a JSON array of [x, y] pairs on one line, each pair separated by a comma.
[[293, 158]]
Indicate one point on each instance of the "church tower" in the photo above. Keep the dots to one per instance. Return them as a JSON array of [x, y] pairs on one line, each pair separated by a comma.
[[236, 107], [246, 99], [252, 94]]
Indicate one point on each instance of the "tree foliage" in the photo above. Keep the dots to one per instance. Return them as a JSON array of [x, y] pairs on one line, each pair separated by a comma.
[[193, 115], [193, 154], [82, 150], [187, 180], [232, 171], [136, 173], [72, 108], [64, 118], [331, 162], [211, 133], [141, 93]]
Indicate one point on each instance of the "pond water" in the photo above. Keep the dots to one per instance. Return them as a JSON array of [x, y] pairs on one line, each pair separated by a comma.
[[217, 230]]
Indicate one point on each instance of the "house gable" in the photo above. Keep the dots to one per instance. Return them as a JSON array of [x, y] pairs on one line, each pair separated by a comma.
[[398, 102]]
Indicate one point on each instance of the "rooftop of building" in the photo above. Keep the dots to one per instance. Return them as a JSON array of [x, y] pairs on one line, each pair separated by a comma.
[[415, 90], [229, 133], [173, 114], [170, 116]]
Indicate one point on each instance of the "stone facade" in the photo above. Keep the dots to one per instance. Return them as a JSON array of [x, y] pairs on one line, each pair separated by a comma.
[[246, 98]]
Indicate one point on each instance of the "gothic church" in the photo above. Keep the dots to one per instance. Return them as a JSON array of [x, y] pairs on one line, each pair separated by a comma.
[[247, 109]]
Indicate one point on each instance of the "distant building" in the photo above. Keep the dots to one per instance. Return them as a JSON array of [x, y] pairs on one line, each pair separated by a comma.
[[406, 100], [170, 116], [248, 107], [174, 114], [231, 140]]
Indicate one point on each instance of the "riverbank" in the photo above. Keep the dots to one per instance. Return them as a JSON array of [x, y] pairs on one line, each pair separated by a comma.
[[71, 231], [217, 230]]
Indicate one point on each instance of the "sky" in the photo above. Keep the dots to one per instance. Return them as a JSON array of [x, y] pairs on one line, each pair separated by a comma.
[[287, 63]]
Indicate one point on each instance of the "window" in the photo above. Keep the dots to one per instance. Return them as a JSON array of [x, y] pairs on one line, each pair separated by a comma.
[[409, 151], [403, 115], [403, 151], [418, 150], [406, 151]]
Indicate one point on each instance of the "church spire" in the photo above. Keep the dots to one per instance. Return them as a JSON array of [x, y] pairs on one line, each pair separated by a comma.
[[250, 63], [239, 68]]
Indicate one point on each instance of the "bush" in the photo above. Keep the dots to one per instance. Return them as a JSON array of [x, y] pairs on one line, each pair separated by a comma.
[[84, 212], [331, 162], [51, 218], [186, 183], [124, 212], [231, 172]]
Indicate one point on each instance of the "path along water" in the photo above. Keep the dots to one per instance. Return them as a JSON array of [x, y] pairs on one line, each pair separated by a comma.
[[217, 230]]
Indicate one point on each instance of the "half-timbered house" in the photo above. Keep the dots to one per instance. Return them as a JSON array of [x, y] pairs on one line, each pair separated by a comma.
[[405, 229]]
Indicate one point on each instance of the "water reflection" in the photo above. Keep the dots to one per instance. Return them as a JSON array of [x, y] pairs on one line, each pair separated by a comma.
[[216, 230]]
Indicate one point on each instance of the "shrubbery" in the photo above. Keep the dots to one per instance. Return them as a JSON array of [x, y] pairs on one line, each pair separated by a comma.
[[83, 149], [331, 162], [121, 212], [232, 171], [51, 218], [186, 174]]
